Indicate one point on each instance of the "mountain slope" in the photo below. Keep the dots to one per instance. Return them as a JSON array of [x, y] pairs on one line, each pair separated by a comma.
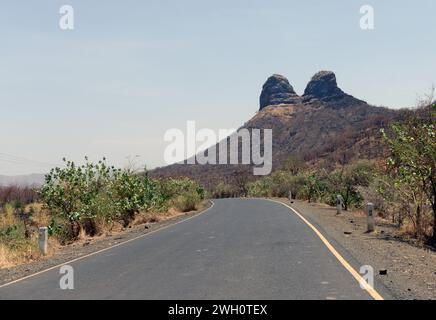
[[324, 127]]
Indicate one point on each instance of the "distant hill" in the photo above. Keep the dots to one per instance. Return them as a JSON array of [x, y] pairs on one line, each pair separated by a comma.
[[23, 180], [324, 127]]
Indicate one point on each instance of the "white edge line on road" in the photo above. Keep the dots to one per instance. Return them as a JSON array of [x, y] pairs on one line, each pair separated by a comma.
[[371, 291], [106, 249]]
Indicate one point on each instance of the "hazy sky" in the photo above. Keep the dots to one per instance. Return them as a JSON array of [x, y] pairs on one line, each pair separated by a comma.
[[133, 69]]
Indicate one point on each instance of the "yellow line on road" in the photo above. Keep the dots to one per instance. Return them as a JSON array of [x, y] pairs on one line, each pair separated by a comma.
[[372, 292], [106, 249]]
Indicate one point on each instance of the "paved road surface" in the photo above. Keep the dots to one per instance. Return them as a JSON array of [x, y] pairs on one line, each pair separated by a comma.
[[239, 249]]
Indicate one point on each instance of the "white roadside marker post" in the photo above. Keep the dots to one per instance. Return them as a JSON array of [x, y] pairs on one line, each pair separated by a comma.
[[370, 209], [290, 197], [339, 204], [43, 240]]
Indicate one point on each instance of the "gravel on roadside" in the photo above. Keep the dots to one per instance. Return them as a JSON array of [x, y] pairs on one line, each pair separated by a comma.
[[407, 270]]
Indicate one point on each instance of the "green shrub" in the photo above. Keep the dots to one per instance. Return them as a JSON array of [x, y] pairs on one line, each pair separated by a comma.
[[71, 193], [346, 182], [61, 229], [170, 189], [92, 196], [130, 194], [278, 184]]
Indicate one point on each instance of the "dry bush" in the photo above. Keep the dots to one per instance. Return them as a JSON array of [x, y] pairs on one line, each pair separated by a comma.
[[39, 216], [18, 238], [7, 217], [103, 226], [24, 195], [141, 218], [187, 202]]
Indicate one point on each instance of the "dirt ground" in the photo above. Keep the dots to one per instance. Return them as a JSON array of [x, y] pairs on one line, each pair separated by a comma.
[[411, 270]]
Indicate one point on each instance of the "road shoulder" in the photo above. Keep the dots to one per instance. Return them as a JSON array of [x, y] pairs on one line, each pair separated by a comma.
[[411, 272]]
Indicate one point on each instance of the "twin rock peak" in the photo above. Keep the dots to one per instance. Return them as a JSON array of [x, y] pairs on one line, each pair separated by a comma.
[[322, 88]]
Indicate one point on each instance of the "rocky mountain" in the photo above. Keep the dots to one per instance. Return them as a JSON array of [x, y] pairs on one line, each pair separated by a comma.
[[324, 88], [277, 90], [325, 126]]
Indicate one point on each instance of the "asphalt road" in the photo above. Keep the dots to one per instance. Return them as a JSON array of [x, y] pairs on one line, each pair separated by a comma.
[[239, 249]]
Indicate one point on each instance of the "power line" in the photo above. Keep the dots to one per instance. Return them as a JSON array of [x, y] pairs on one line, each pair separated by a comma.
[[6, 157]]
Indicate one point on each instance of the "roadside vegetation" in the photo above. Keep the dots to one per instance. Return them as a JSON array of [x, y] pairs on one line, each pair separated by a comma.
[[402, 184], [94, 199], [318, 185], [86, 200]]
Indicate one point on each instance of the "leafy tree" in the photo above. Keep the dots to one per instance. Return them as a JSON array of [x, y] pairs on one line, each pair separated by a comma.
[[347, 181], [313, 186], [412, 145], [131, 193]]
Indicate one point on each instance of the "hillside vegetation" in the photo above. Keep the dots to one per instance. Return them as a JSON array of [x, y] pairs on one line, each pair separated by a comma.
[[327, 142], [325, 126], [401, 184]]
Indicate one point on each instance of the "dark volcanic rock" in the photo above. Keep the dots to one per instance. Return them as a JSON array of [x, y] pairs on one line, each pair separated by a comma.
[[277, 90], [323, 87], [323, 84]]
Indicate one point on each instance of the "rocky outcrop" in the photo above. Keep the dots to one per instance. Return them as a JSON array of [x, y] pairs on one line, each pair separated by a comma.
[[324, 127], [323, 85], [324, 88], [277, 90]]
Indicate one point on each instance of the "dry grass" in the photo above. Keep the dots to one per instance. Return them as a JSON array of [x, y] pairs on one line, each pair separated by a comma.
[[277, 111], [40, 217], [15, 247], [25, 253], [102, 226], [23, 250], [7, 217], [153, 217], [6, 257]]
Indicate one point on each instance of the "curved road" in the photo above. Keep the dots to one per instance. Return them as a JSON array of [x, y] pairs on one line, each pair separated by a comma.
[[239, 249]]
